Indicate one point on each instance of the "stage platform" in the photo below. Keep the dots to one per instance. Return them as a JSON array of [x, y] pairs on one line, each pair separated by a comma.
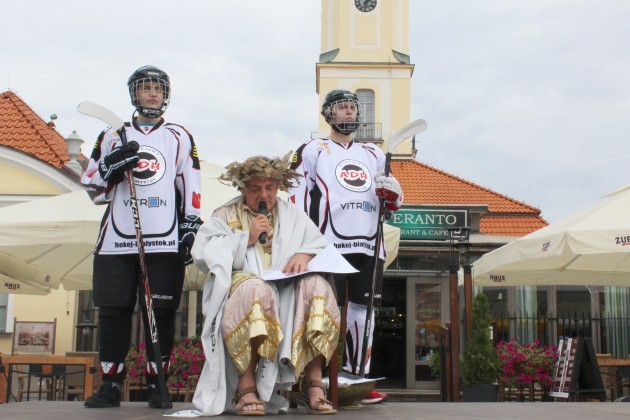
[[70, 410]]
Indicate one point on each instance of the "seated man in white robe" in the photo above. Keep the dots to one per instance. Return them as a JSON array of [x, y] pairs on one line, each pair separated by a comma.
[[272, 331]]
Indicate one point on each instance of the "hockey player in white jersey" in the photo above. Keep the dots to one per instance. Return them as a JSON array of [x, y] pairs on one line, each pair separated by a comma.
[[168, 189], [340, 190]]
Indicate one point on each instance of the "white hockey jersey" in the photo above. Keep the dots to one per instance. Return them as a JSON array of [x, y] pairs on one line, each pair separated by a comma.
[[337, 191], [167, 182]]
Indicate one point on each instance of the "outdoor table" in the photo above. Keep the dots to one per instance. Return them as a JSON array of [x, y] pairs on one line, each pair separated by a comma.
[[621, 369], [51, 367]]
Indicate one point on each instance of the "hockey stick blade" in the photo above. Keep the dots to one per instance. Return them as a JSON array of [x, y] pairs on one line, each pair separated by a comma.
[[407, 131], [98, 111]]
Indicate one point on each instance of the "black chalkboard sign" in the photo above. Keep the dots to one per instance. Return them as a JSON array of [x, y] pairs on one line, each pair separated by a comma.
[[576, 374]]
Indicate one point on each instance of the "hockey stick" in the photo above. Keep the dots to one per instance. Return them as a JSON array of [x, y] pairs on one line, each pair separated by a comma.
[[97, 111], [404, 133]]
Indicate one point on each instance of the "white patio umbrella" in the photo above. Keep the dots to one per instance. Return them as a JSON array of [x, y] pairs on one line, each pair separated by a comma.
[[49, 242], [16, 287], [590, 247]]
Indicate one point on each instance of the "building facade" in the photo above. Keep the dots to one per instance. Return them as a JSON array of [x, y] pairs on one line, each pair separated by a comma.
[[34, 164], [364, 48]]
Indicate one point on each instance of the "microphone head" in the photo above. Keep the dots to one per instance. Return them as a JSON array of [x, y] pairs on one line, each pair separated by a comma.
[[262, 207]]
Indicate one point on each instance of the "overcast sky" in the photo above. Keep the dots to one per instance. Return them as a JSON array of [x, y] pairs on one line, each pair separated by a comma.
[[528, 98]]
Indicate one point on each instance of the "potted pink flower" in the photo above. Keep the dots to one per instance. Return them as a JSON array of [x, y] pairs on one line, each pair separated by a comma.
[[187, 359], [526, 367], [136, 362]]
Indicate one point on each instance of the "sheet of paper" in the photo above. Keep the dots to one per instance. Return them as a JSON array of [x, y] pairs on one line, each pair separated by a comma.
[[347, 379], [329, 260], [184, 413]]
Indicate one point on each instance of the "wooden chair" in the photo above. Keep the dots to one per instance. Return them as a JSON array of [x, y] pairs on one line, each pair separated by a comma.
[[39, 386], [608, 376], [97, 376], [185, 393], [71, 386], [131, 385]]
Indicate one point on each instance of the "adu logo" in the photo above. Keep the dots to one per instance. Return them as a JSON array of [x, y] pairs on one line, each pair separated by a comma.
[[353, 175], [151, 167]]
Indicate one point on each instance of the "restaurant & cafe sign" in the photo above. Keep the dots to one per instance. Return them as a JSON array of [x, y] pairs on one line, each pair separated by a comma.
[[427, 224]]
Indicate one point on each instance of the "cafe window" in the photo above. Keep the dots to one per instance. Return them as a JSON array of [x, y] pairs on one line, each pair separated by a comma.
[[4, 313], [572, 300], [615, 320]]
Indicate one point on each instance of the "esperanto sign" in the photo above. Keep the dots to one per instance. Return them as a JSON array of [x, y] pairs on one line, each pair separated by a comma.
[[427, 224]]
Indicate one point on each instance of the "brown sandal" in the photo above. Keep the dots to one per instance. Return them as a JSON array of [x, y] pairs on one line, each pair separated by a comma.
[[302, 398], [242, 404]]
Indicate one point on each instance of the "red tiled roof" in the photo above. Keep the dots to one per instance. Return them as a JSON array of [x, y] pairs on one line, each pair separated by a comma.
[[22, 129], [423, 184], [510, 225]]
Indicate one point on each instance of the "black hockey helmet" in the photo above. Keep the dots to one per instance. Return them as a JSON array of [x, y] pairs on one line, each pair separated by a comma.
[[149, 74], [331, 99]]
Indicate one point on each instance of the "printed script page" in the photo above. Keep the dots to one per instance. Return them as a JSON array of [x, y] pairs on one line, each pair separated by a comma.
[[327, 261]]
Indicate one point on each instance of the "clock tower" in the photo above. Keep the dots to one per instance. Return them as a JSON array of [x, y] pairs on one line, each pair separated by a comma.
[[364, 48]]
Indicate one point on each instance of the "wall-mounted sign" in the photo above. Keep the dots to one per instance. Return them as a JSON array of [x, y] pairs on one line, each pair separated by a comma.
[[427, 224]]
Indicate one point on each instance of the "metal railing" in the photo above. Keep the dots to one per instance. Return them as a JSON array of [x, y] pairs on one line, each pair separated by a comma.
[[610, 334], [369, 132]]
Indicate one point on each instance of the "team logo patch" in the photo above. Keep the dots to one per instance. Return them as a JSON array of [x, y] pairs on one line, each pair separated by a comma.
[[151, 167], [353, 175], [196, 201]]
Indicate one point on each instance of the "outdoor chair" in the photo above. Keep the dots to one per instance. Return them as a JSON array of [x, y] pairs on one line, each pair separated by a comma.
[[182, 393], [71, 385], [132, 385], [40, 388]]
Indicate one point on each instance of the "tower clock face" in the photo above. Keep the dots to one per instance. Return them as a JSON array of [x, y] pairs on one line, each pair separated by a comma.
[[365, 5]]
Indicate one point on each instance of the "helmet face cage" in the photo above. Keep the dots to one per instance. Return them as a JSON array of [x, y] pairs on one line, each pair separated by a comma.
[[344, 127], [145, 75], [138, 84], [329, 107]]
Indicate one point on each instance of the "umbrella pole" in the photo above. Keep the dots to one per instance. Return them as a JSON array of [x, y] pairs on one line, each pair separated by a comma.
[[454, 306], [468, 296]]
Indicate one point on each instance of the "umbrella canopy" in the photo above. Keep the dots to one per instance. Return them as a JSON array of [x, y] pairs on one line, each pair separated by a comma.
[[590, 247], [16, 287], [50, 242]]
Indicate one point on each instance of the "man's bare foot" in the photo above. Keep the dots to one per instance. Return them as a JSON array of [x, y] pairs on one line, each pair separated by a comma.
[[249, 402], [317, 399]]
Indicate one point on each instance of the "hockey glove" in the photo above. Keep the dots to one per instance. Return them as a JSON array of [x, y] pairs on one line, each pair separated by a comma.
[[113, 166], [388, 188], [188, 228]]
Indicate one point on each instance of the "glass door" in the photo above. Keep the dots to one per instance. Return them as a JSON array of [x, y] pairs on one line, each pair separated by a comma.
[[427, 300]]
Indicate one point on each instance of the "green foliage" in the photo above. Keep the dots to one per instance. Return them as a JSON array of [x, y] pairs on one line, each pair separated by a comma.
[[480, 362], [434, 363]]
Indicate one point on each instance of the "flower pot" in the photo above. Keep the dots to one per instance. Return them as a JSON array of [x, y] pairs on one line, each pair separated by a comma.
[[480, 393]]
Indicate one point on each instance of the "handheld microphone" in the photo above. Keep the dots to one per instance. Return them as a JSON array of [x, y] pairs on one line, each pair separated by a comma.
[[134, 146], [262, 209]]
